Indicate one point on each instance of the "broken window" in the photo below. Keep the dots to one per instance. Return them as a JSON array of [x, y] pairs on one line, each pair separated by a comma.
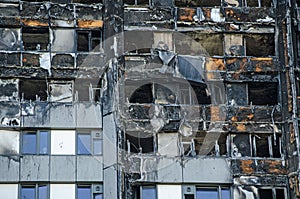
[[89, 143], [61, 92], [183, 93], [263, 93], [33, 90], [257, 45], [255, 93], [197, 3], [237, 94], [36, 39], [260, 145], [240, 145], [138, 41], [142, 94], [201, 94], [87, 89], [272, 193], [137, 2], [140, 142], [234, 45], [198, 43], [37, 191], [260, 45], [36, 142], [163, 41], [267, 145], [89, 40]]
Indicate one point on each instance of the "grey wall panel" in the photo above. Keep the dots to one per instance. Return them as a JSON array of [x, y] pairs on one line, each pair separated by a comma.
[[62, 115], [58, 115], [209, 170], [89, 168], [9, 169], [62, 168], [34, 168], [110, 158], [88, 115], [169, 170]]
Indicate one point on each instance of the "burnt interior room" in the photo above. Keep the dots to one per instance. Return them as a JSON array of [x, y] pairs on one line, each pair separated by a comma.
[[35, 39], [34, 90]]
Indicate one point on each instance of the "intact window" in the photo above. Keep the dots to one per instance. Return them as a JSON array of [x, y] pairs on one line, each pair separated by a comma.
[[148, 192], [89, 192], [89, 143], [35, 142], [213, 192], [207, 193], [34, 191]]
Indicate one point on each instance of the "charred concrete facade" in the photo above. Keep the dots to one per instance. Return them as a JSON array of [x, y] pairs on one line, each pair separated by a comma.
[[139, 99]]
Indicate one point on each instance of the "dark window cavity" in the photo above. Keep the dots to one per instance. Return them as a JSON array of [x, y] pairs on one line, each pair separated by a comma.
[[36, 39], [89, 40], [33, 90], [263, 93]]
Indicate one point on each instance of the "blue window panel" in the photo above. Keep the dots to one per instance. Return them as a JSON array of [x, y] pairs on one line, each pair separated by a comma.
[[98, 144], [207, 193], [29, 143], [28, 193], [84, 144], [148, 193], [225, 193], [43, 192], [98, 196], [44, 142], [83, 193]]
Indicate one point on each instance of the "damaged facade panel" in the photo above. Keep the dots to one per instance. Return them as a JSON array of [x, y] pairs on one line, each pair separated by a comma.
[[9, 89], [162, 18], [211, 44], [196, 3], [61, 37]]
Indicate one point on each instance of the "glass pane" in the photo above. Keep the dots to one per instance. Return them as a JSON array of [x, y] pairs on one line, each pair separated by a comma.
[[207, 193], [148, 193], [43, 192], [84, 144], [43, 142], [97, 147], [225, 193], [98, 196], [28, 193], [29, 143], [84, 192]]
